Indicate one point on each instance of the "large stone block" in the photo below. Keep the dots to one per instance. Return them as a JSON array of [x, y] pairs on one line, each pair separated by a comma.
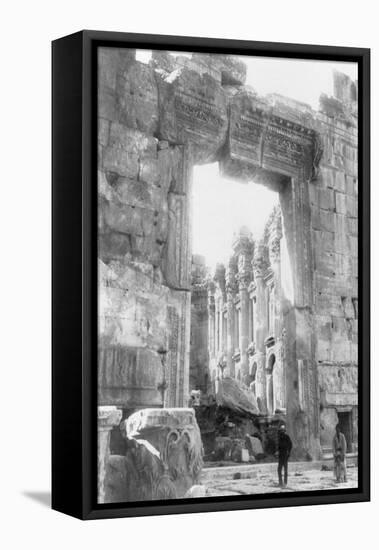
[[132, 140], [341, 203], [352, 226], [113, 246], [339, 382], [103, 131], [137, 98], [321, 197], [120, 162], [107, 104], [328, 304], [341, 240], [340, 181], [323, 240], [137, 210], [352, 206], [129, 377], [140, 193], [352, 186], [174, 169], [163, 459], [193, 110], [227, 69], [113, 62], [126, 147], [353, 246], [323, 349], [327, 220], [123, 218], [132, 306]]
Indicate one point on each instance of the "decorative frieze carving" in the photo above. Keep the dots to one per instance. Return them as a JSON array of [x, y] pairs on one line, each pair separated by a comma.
[[257, 136]]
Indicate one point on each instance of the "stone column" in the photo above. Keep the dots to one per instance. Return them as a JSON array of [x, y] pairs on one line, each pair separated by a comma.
[[260, 381], [219, 279], [243, 282], [217, 326], [231, 289], [107, 418], [243, 249], [259, 264], [274, 254], [211, 319]]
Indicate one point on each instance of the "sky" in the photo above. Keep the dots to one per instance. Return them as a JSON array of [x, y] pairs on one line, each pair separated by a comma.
[[222, 206]]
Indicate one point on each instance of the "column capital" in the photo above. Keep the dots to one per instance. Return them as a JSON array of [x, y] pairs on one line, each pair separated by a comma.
[[244, 274], [274, 249], [260, 260]]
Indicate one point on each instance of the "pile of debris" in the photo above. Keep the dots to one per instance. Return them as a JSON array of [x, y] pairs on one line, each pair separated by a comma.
[[232, 427]]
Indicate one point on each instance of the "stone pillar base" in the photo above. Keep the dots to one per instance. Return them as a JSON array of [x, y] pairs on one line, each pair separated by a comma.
[[107, 418]]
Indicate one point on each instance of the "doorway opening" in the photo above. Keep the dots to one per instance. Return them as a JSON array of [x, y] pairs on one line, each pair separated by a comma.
[[345, 420], [240, 276]]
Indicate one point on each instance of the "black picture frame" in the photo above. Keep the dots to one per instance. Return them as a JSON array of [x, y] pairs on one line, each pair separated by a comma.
[[74, 293]]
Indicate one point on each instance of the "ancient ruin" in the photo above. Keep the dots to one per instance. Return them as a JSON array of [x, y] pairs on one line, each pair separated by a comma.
[[167, 326]]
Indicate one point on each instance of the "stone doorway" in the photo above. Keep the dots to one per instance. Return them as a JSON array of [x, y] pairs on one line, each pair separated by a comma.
[[156, 122], [345, 420]]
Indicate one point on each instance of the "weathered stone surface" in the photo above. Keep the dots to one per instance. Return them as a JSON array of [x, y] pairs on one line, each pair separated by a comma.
[[223, 448], [227, 69], [155, 123], [196, 491], [137, 96], [107, 418], [254, 446], [193, 109], [175, 436], [339, 383], [163, 458]]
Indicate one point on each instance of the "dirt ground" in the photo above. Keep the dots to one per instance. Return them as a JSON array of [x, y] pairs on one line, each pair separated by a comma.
[[308, 480]]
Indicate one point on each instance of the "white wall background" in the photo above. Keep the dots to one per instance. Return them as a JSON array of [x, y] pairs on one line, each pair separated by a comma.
[[27, 29]]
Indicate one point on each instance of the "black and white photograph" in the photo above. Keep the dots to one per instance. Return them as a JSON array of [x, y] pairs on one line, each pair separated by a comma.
[[188, 235], [227, 275]]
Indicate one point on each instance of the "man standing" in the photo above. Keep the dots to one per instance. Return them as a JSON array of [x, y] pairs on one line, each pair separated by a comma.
[[284, 450], [339, 453]]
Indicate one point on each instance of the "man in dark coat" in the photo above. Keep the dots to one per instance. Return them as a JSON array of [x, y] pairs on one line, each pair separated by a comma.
[[284, 451]]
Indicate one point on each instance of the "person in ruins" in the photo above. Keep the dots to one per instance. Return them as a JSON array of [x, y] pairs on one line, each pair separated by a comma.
[[339, 454], [284, 451]]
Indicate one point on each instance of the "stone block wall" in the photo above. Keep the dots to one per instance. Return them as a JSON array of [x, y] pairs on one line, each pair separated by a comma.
[[334, 226], [142, 213]]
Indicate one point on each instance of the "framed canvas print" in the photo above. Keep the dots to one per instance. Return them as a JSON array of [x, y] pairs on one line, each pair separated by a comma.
[[210, 275]]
